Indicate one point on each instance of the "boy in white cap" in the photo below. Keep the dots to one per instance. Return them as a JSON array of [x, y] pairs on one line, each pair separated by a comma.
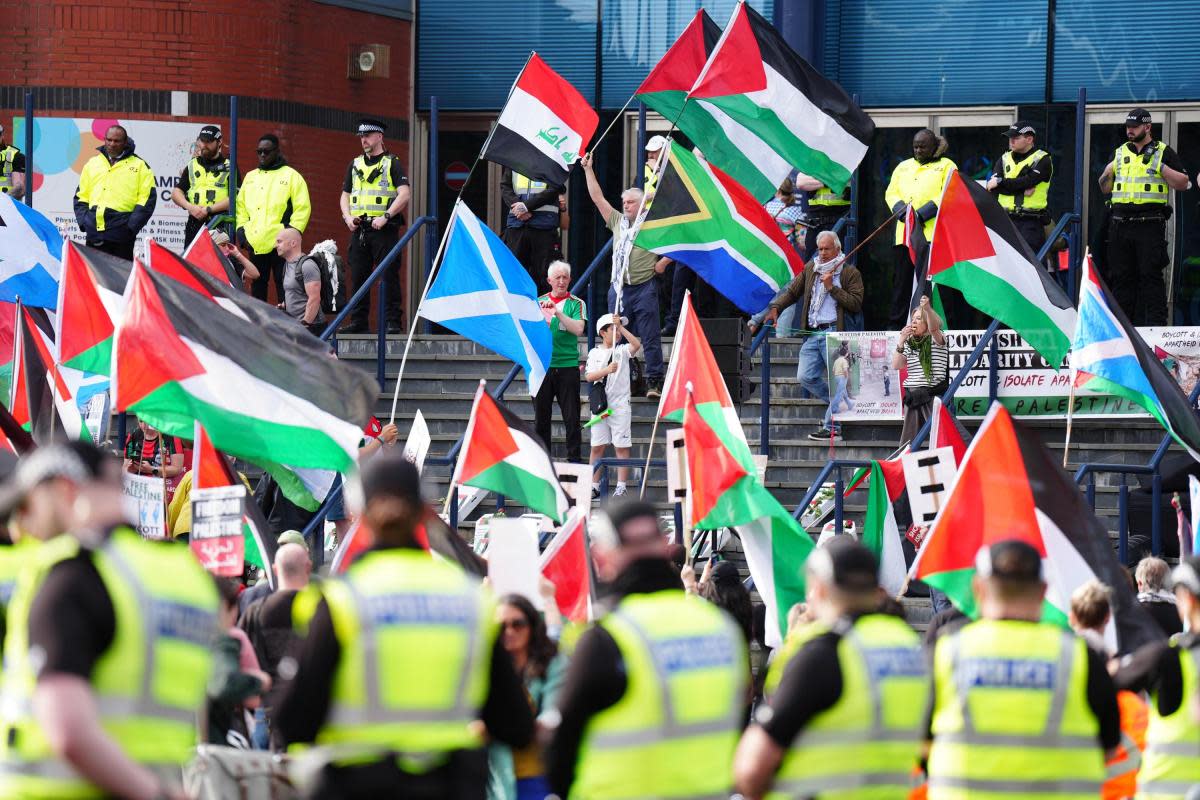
[[608, 361]]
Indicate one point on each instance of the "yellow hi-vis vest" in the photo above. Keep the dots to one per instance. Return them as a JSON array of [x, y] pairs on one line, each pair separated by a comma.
[[916, 184], [148, 685], [824, 198], [263, 201], [205, 186], [7, 155], [1012, 168], [525, 188], [371, 190], [12, 560], [416, 639], [1136, 182], [673, 733], [865, 746], [119, 186], [1171, 762], [1010, 715]]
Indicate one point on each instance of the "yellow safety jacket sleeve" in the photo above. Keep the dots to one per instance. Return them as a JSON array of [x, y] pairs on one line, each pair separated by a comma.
[[301, 204]]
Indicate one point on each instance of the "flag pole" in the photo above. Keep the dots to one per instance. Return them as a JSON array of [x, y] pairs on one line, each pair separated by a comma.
[[1070, 417]]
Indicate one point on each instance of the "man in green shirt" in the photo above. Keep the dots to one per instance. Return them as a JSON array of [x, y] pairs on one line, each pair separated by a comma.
[[567, 315]]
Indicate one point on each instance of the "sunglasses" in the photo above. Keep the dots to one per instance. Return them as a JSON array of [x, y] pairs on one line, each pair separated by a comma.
[[514, 624]]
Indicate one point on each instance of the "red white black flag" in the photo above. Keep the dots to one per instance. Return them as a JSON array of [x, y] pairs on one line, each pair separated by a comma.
[[545, 125]]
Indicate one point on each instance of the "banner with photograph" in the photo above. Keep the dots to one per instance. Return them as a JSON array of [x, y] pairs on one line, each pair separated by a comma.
[[1026, 385]]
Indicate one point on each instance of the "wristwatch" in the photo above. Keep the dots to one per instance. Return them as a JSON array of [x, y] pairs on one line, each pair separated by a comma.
[[387, 215]]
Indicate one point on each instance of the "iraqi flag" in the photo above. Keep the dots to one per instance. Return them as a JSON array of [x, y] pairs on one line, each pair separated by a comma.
[[41, 401], [976, 250], [1109, 356], [565, 563], [1009, 486], [881, 534], [544, 126], [501, 454], [90, 301], [178, 359]]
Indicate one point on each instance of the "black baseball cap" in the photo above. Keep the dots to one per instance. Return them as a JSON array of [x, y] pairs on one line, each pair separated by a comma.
[[366, 125], [1020, 128], [209, 133], [846, 564], [1011, 560], [1138, 116]]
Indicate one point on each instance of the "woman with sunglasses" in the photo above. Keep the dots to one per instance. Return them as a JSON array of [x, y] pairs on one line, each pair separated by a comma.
[[525, 635]]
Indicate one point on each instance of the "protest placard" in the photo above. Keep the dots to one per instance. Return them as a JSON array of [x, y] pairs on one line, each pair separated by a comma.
[[217, 540], [146, 504]]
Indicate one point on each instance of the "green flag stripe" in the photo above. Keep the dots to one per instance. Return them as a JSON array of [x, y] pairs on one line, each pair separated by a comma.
[[97, 359], [877, 509], [526, 488], [1105, 386]]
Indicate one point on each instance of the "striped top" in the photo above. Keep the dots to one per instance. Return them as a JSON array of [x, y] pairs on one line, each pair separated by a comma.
[[940, 360]]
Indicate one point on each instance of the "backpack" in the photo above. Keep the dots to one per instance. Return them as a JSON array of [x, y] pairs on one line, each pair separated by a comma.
[[330, 269]]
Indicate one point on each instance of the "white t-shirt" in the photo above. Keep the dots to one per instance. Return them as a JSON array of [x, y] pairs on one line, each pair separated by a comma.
[[616, 386]]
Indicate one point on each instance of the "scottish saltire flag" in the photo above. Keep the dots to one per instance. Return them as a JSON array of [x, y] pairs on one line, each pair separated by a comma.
[[30, 248], [482, 292], [1109, 356]]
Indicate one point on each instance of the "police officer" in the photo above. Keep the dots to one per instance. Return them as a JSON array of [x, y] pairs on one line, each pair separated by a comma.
[[825, 208], [1021, 182], [107, 653], [203, 189], [655, 148], [116, 195], [1021, 708], [1139, 179], [401, 662], [656, 691], [374, 195], [531, 227], [1171, 675], [273, 197], [12, 169], [847, 693], [916, 182]]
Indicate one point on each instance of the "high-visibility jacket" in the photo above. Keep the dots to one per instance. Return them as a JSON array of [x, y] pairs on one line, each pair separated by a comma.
[[916, 184], [371, 189], [545, 216], [270, 200], [115, 199], [826, 199], [148, 685], [416, 639], [1010, 715], [207, 184], [7, 156], [867, 743], [12, 560], [1171, 761], [1012, 168], [1138, 182], [1121, 770], [673, 732], [650, 177]]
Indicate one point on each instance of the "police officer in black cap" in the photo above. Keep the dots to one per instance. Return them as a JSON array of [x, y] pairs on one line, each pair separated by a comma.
[[374, 195], [1021, 182], [1140, 178], [203, 188]]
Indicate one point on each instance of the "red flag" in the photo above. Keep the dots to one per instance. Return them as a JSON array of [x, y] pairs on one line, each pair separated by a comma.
[[944, 432], [565, 564], [692, 361], [203, 253], [712, 469], [209, 466]]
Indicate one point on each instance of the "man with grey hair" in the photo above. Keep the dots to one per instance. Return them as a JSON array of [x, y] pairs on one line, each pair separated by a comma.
[[1152, 575], [828, 290], [567, 315], [634, 269]]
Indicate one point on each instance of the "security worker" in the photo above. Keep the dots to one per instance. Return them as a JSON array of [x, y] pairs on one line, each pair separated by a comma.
[[825, 208], [1021, 183], [108, 647], [273, 197], [655, 694], [916, 182], [655, 148], [1171, 674], [401, 663], [12, 169], [374, 195], [531, 227], [848, 693], [203, 189], [116, 195], [1021, 708], [1139, 179]]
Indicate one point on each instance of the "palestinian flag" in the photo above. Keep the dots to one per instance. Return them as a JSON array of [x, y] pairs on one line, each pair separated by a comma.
[[1108, 355], [8, 331], [207, 256], [12, 436], [500, 453], [703, 218], [881, 535], [41, 401], [1010, 487], [760, 109], [977, 250], [179, 359], [944, 431], [565, 563], [546, 123], [89, 303]]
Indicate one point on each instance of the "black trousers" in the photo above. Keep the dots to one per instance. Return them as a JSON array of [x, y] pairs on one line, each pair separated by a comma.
[[535, 248], [561, 384], [902, 286], [368, 247], [119, 249], [270, 266], [1137, 256], [463, 778], [1032, 230]]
